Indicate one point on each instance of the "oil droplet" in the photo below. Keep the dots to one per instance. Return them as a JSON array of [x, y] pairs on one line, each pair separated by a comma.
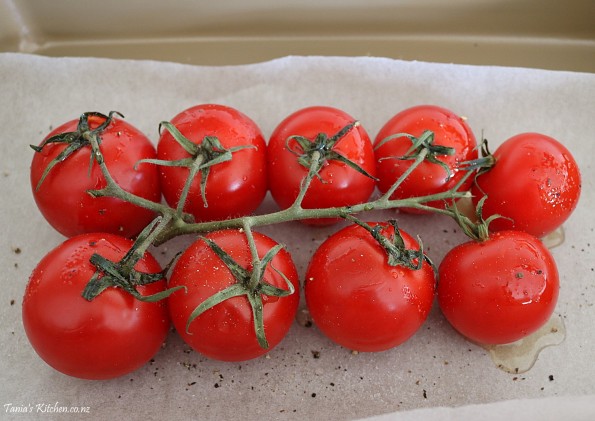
[[520, 356], [466, 208], [554, 239]]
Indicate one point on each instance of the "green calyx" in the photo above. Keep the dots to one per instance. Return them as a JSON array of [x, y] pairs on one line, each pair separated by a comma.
[[477, 228], [394, 245], [321, 149], [123, 275], [422, 146], [482, 164], [75, 140], [203, 157], [249, 283]]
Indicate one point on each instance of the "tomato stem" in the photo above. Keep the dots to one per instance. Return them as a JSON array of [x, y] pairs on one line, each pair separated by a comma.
[[394, 246], [313, 154], [112, 188], [123, 275], [74, 140], [251, 281], [418, 160], [315, 165], [182, 224]]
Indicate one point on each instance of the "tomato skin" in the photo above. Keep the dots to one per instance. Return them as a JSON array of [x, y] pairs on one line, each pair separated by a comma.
[[535, 184], [360, 302], [226, 331], [499, 290], [342, 185], [110, 336], [234, 188], [429, 178], [62, 198]]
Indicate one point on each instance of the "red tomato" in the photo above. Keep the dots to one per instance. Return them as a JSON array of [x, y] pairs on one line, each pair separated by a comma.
[[449, 130], [112, 335], [226, 331], [360, 301], [338, 184], [62, 197], [535, 184], [234, 188], [499, 290]]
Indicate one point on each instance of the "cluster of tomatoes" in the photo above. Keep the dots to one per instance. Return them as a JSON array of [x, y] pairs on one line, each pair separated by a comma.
[[369, 286]]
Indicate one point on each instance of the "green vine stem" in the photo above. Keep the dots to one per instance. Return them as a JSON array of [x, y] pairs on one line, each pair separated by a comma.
[[181, 224], [112, 188], [123, 275], [251, 283]]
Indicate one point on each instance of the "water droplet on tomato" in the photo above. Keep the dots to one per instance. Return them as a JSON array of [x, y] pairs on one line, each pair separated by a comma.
[[73, 264], [520, 356]]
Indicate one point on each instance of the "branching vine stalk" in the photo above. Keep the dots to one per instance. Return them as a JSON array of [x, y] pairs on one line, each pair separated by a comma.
[[170, 222]]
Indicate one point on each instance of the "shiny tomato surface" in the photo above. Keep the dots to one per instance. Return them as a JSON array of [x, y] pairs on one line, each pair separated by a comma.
[[226, 331], [62, 197], [360, 301], [233, 188], [110, 336], [449, 130], [337, 184], [499, 290], [535, 185]]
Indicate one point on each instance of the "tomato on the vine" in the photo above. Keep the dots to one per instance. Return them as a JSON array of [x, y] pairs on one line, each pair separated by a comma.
[[226, 330], [107, 337], [359, 300], [534, 184], [498, 290], [337, 137], [232, 188], [61, 190], [439, 172]]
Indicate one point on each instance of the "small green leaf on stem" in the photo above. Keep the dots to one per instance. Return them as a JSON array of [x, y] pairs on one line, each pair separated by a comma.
[[74, 141], [123, 275], [425, 143], [321, 150], [482, 164], [477, 230], [397, 253]]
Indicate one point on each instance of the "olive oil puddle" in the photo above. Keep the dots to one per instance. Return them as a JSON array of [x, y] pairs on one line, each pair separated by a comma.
[[554, 239], [520, 356]]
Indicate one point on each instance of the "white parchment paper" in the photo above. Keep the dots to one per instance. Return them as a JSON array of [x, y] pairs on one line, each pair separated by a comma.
[[307, 377]]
